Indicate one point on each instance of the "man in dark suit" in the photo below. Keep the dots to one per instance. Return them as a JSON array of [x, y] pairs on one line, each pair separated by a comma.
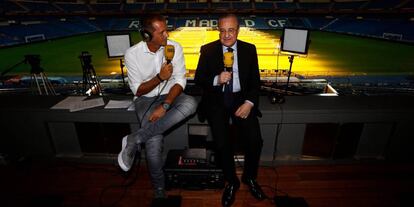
[[232, 95]]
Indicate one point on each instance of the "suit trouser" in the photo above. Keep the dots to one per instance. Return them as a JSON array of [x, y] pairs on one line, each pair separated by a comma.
[[151, 133], [249, 135]]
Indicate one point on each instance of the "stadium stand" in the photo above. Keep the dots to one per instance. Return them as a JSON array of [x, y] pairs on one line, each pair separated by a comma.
[[10, 6], [131, 8], [108, 1], [348, 5], [122, 7], [198, 6], [321, 22], [242, 5], [106, 7], [315, 6], [286, 5], [154, 6], [264, 6], [177, 6], [39, 7], [298, 22], [382, 4], [221, 6], [72, 8], [370, 27], [7, 40], [328, 15]]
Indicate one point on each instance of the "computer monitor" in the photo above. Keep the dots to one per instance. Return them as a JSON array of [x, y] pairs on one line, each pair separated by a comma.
[[295, 40], [117, 44]]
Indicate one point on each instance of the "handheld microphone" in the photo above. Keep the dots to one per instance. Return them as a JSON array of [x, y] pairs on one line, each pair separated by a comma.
[[228, 59], [169, 53]]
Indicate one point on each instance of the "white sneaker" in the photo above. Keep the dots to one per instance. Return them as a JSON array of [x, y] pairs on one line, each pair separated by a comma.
[[127, 155]]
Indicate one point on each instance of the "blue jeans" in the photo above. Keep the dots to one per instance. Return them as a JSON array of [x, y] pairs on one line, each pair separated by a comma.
[[151, 133]]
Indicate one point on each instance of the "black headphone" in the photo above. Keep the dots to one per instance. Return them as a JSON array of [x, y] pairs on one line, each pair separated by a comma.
[[145, 34]]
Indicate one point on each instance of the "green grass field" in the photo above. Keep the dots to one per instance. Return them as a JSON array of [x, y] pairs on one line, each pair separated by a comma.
[[61, 56], [347, 54]]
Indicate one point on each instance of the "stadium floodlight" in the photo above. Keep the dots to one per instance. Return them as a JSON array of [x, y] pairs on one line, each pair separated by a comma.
[[116, 46], [295, 41]]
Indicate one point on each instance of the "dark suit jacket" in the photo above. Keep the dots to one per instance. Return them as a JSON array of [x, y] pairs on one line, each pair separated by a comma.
[[211, 64]]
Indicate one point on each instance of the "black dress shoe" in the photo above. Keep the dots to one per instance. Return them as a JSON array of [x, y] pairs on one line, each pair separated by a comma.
[[254, 188], [229, 194]]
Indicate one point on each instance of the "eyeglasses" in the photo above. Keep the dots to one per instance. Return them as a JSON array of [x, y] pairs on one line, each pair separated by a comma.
[[230, 31]]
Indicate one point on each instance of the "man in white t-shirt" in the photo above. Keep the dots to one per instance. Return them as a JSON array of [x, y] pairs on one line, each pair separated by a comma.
[[160, 102]]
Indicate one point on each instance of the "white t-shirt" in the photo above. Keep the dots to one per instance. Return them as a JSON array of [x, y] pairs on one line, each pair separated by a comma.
[[143, 65]]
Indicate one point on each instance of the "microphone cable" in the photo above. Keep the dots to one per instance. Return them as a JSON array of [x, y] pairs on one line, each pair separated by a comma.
[[273, 167], [152, 103], [160, 91], [278, 130], [125, 185]]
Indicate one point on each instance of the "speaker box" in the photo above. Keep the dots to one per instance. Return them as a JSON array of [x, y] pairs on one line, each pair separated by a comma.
[[195, 176]]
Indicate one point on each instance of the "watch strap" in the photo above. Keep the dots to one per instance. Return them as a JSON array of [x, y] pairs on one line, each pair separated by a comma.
[[165, 105], [159, 77]]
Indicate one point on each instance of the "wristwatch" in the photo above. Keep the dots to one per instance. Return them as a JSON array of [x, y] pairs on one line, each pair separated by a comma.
[[165, 105]]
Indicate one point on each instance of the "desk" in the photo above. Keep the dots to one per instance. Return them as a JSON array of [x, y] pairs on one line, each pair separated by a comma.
[[30, 128]]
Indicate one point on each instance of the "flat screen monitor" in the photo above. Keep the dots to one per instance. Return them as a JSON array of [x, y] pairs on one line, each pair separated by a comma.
[[295, 40], [117, 44]]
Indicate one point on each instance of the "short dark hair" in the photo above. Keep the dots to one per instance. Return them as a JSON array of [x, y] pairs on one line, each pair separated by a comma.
[[229, 15], [151, 18]]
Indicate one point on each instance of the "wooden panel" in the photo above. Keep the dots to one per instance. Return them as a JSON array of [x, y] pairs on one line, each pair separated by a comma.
[[75, 184]]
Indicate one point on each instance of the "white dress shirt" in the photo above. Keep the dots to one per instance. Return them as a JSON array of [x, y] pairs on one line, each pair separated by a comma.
[[235, 73], [143, 65]]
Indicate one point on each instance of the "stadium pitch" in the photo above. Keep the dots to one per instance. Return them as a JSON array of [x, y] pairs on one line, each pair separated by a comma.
[[329, 54]]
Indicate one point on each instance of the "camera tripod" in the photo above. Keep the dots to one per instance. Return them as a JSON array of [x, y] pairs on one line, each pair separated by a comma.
[[42, 83], [38, 77], [90, 82]]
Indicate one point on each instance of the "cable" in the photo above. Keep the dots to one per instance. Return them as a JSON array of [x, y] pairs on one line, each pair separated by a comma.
[[149, 107], [125, 187], [278, 130], [99, 169], [115, 173]]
